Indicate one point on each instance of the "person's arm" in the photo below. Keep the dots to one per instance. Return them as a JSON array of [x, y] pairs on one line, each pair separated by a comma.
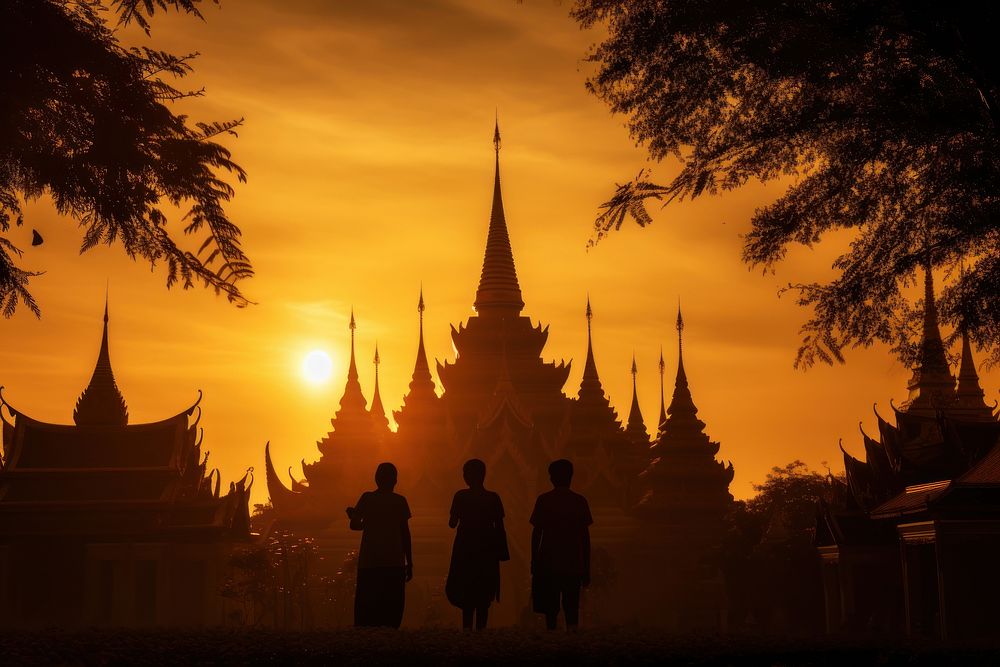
[[453, 515], [586, 556], [407, 549], [356, 516]]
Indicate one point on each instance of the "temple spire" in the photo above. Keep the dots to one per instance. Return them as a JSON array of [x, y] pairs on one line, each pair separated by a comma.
[[421, 370], [970, 393], [681, 402], [932, 386], [635, 427], [101, 403], [377, 410], [499, 292], [591, 383], [663, 408], [353, 398]]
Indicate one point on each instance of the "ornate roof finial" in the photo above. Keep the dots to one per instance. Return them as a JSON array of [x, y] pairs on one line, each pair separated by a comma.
[[101, 403], [496, 134], [499, 291]]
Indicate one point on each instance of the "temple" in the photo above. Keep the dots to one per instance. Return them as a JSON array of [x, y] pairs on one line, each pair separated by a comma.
[[904, 540], [499, 400], [107, 523]]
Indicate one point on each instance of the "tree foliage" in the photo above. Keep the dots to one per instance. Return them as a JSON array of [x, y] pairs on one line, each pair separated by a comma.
[[880, 114], [88, 121]]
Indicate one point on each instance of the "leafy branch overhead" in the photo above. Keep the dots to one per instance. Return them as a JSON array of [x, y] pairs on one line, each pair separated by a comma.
[[881, 116], [87, 121]]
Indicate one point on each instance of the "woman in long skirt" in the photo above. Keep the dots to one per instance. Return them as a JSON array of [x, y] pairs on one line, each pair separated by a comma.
[[480, 545]]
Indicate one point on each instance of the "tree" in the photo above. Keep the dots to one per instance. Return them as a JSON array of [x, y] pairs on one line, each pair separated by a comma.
[[88, 121], [880, 114], [771, 565]]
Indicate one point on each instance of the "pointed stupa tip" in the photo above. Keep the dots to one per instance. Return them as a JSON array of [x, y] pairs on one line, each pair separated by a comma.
[[496, 133], [101, 403], [420, 303], [499, 291], [377, 360], [590, 311], [353, 325], [635, 369], [663, 364]]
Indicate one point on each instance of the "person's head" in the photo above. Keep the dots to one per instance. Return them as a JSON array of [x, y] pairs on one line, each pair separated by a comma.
[[385, 476], [561, 472], [474, 472]]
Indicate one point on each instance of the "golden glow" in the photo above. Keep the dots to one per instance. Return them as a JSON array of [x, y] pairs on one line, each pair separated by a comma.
[[317, 367], [355, 199]]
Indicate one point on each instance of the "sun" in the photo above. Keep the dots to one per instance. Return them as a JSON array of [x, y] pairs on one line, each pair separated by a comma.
[[317, 366]]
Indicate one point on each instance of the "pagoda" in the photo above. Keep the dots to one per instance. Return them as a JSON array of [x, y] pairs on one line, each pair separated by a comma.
[[421, 441], [904, 540], [685, 483], [503, 403], [607, 460], [107, 523]]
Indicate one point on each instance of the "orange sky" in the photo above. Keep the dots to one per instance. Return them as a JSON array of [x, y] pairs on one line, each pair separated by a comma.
[[368, 146]]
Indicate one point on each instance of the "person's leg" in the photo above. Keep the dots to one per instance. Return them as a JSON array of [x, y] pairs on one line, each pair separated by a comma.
[[482, 614], [362, 598], [571, 602], [395, 596], [551, 621], [467, 618]]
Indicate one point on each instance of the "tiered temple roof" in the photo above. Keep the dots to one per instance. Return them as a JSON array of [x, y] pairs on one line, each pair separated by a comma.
[[938, 431], [104, 476]]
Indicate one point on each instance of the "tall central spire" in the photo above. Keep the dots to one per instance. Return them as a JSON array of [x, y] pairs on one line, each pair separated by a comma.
[[635, 427], [499, 292], [101, 403]]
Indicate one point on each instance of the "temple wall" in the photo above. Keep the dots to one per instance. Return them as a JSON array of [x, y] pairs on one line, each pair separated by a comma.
[[63, 583]]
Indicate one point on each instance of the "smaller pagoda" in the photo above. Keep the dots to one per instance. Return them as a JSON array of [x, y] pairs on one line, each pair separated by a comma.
[[685, 483]]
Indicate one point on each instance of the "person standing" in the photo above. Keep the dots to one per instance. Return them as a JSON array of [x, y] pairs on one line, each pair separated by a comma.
[[480, 545], [385, 560], [560, 548]]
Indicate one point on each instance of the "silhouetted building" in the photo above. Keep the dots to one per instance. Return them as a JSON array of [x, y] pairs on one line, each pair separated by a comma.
[[504, 404], [909, 543], [687, 496], [108, 523]]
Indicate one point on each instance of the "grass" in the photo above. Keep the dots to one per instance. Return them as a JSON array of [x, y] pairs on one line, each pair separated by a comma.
[[450, 647]]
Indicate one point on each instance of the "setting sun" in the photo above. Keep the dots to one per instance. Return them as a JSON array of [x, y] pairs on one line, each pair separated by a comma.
[[317, 367]]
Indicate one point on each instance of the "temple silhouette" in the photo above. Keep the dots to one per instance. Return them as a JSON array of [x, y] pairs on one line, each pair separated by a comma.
[[654, 558], [908, 543], [107, 523]]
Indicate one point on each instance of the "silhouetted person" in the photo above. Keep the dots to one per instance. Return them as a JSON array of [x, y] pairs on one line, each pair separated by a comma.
[[385, 560], [480, 544], [560, 548]]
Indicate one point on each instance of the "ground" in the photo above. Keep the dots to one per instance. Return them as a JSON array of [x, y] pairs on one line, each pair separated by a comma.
[[451, 647]]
